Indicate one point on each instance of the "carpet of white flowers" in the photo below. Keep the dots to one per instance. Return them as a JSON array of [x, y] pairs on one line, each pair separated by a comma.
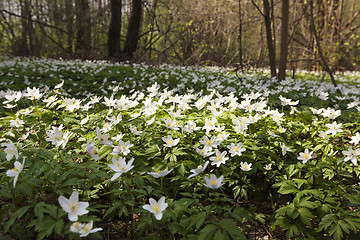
[[120, 151]]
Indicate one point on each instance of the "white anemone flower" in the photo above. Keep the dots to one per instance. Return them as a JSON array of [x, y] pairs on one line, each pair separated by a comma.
[[245, 166], [103, 138], [76, 227], [59, 85], [88, 228], [33, 94], [268, 167], [16, 122], [90, 147], [10, 150], [18, 167], [351, 155], [284, 149], [134, 130], [209, 143], [213, 182], [334, 128], [73, 207], [123, 148], [236, 149], [198, 170], [156, 207], [220, 158], [355, 139], [120, 166], [305, 156], [158, 174], [205, 152], [170, 142], [190, 127]]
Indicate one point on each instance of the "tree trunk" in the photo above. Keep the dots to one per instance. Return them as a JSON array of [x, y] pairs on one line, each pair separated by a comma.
[[114, 33], [133, 31], [24, 46], [284, 39], [327, 68], [69, 25], [269, 39], [240, 38], [83, 38]]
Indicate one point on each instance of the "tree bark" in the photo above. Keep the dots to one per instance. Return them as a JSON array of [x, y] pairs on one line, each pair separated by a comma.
[[284, 39], [83, 38], [114, 33], [240, 38], [69, 25], [133, 31], [269, 38], [327, 68], [25, 13]]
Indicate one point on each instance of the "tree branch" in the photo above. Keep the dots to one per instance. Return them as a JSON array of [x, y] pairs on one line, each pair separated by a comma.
[[257, 7], [327, 68]]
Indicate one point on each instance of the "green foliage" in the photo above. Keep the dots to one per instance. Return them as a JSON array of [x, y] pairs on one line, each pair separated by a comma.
[[315, 198]]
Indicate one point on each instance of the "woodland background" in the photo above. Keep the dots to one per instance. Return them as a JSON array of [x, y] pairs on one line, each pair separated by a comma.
[[237, 33]]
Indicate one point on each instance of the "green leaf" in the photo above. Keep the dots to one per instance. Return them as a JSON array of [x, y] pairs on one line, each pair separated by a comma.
[[305, 216], [318, 147], [17, 215], [230, 227], [292, 231], [344, 226], [182, 169], [104, 151], [291, 170], [207, 232], [327, 221], [198, 219], [308, 204], [219, 235], [336, 232], [58, 227]]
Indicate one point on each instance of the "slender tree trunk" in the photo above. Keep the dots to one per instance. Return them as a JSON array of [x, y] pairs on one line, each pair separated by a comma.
[[153, 17], [24, 46], [114, 33], [284, 39], [83, 38], [133, 31], [240, 38], [69, 24], [269, 39], [327, 68]]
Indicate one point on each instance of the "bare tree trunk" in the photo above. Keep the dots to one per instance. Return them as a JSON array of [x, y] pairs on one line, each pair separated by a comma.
[[69, 24], [284, 39], [269, 38], [24, 46], [133, 31], [327, 68], [114, 33], [240, 38], [152, 27], [83, 38]]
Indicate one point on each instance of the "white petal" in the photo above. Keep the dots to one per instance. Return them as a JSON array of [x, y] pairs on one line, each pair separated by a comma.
[[161, 201], [15, 179], [74, 196], [82, 208], [148, 208], [116, 175], [73, 216], [152, 202], [158, 215], [64, 203], [96, 230]]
